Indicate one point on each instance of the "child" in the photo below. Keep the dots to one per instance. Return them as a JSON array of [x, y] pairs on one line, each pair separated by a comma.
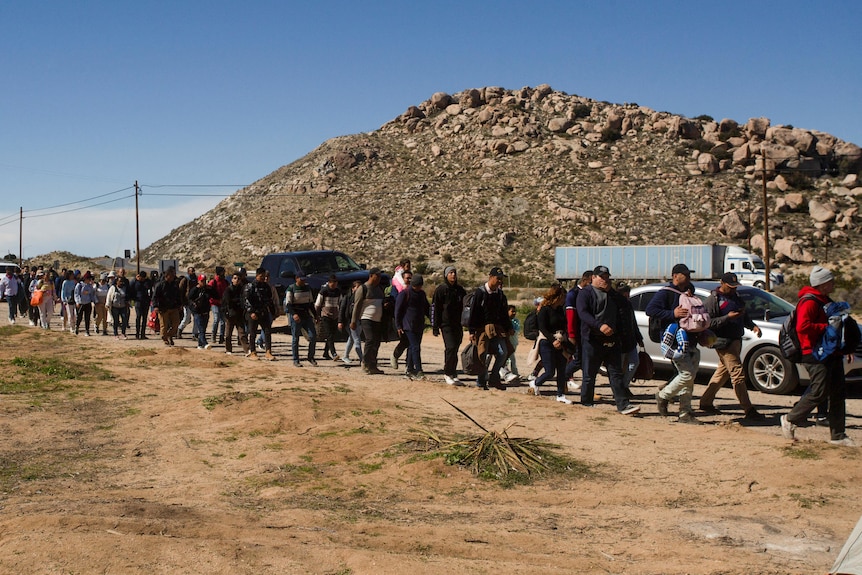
[[511, 363]]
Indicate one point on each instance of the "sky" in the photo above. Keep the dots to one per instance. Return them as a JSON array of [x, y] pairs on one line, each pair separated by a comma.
[[196, 99]]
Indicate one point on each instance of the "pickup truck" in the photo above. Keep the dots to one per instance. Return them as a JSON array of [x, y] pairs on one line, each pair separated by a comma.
[[317, 266]]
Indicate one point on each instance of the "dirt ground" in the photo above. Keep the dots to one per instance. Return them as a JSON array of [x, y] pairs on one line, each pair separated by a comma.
[[127, 457]]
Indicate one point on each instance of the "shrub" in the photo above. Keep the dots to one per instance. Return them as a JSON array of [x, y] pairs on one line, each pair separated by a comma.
[[705, 118], [582, 111], [611, 134]]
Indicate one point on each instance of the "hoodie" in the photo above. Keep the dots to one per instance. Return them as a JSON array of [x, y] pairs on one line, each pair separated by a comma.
[[811, 320]]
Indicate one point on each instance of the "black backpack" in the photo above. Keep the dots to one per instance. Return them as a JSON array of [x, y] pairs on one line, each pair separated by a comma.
[[531, 326], [467, 310], [788, 339]]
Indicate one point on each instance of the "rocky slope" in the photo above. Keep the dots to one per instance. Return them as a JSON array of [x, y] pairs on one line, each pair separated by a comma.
[[493, 176]]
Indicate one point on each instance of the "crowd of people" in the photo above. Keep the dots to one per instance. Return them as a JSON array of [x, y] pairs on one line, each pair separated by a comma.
[[589, 326]]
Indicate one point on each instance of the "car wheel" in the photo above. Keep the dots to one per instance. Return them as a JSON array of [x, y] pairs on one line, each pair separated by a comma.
[[760, 285], [769, 372]]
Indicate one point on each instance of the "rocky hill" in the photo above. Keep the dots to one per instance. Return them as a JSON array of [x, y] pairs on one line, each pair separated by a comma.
[[500, 177]]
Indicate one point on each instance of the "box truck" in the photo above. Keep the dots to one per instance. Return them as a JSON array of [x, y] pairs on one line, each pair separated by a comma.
[[651, 262]]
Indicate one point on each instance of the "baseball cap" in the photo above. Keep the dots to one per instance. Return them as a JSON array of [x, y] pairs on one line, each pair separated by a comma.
[[374, 271], [600, 270], [730, 279], [682, 269], [497, 272]]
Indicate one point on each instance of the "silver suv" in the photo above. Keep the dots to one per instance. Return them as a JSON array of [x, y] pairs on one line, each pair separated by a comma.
[[765, 368]]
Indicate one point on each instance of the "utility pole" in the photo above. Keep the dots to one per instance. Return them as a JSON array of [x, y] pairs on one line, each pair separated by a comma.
[[766, 226], [137, 230], [20, 236]]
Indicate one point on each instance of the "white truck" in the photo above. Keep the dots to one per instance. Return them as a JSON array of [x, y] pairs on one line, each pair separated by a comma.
[[652, 262]]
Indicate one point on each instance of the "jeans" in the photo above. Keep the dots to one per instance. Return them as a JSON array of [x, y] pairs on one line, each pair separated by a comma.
[[70, 314], [496, 349], [201, 321], [187, 318], [121, 319], [142, 310], [218, 323], [305, 321], [452, 338], [373, 332], [414, 354], [630, 363], [594, 355], [354, 341], [555, 364]]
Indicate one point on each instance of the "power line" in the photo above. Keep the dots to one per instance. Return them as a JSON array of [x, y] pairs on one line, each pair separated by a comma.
[[81, 208]]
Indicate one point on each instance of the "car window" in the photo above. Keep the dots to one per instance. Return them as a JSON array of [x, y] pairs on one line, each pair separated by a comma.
[[641, 300], [345, 264], [763, 305], [286, 267]]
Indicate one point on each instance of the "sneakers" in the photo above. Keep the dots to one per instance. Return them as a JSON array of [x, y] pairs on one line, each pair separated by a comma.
[[347, 361], [453, 381], [312, 361], [788, 429], [296, 363], [710, 410], [419, 376], [228, 353], [510, 377], [208, 346], [843, 440], [822, 421], [573, 386], [201, 347], [335, 358], [661, 403], [564, 399], [498, 385], [631, 410]]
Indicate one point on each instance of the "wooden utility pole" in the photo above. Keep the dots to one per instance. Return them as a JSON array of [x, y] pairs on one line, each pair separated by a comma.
[[137, 230], [766, 226], [20, 236]]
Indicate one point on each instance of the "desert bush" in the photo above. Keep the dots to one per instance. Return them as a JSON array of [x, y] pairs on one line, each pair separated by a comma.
[[611, 134]]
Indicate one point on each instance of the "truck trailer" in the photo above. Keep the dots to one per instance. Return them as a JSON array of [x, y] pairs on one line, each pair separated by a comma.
[[654, 262]]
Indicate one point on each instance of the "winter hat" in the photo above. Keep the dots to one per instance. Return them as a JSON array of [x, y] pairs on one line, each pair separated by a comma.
[[449, 269], [819, 276], [417, 280]]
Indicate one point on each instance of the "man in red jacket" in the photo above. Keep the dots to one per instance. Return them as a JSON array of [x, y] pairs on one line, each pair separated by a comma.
[[827, 376]]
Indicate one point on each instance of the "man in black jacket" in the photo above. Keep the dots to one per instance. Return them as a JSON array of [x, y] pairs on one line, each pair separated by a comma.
[[490, 327], [168, 303], [599, 316], [446, 306], [728, 320], [259, 311]]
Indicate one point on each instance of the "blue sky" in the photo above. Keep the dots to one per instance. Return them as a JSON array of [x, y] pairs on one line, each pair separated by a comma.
[[96, 95]]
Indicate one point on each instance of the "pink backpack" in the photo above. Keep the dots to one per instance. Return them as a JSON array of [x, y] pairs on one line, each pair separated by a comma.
[[698, 317]]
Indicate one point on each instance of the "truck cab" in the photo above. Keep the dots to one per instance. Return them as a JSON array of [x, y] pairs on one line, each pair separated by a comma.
[[749, 268]]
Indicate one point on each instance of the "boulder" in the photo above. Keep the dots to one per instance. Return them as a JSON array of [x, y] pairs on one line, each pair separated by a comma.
[[820, 211], [781, 183], [849, 156], [794, 200], [756, 127], [557, 125], [727, 126], [453, 109], [733, 226], [440, 100], [791, 250], [413, 112], [684, 128], [850, 181], [742, 154], [470, 98], [778, 153], [707, 163]]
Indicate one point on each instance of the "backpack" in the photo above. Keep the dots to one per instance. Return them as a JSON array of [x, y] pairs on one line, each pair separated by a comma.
[[698, 318], [467, 310], [470, 362], [788, 339], [531, 326]]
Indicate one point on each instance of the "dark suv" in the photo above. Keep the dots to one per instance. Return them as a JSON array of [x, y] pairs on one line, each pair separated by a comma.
[[317, 266]]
